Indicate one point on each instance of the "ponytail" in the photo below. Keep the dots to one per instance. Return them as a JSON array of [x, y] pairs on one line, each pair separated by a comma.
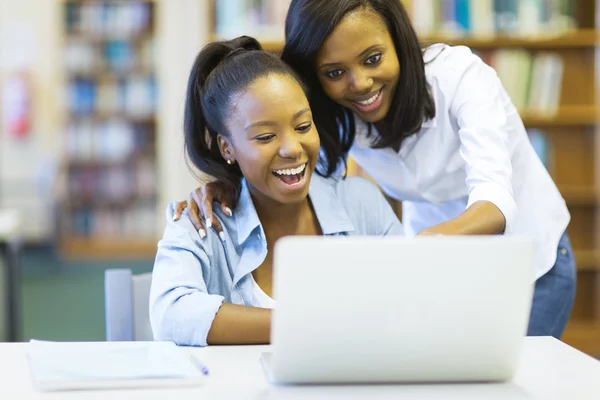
[[220, 71], [206, 102]]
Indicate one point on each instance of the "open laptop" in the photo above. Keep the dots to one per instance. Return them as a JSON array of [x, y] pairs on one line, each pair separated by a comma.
[[391, 309]]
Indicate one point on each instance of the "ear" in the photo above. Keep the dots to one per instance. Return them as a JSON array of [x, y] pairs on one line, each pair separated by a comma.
[[226, 148]]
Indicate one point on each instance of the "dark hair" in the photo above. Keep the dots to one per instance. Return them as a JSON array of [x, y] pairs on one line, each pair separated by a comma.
[[308, 24], [222, 70]]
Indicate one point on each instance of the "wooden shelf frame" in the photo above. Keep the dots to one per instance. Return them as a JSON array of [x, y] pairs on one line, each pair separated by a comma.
[[100, 248], [565, 116], [577, 39], [583, 38]]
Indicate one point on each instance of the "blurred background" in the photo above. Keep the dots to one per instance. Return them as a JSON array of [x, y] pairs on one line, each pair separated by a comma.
[[91, 143]]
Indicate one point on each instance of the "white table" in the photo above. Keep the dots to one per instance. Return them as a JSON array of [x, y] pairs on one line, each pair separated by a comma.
[[10, 241], [548, 369]]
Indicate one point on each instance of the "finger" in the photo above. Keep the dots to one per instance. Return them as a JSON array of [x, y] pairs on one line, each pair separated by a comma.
[[205, 203], [216, 224], [195, 219], [179, 209], [226, 210], [193, 208]]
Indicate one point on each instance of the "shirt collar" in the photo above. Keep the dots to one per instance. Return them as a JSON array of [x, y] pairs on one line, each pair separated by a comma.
[[246, 218], [331, 215]]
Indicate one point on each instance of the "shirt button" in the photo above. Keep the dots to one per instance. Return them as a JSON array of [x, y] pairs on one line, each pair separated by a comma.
[[563, 251]]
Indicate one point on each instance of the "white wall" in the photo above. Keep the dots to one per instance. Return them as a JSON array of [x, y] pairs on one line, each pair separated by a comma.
[[182, 30], [25, 165], [28, 28]]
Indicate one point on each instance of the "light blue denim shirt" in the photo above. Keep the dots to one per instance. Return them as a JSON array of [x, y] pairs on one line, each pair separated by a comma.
[[193, 276]]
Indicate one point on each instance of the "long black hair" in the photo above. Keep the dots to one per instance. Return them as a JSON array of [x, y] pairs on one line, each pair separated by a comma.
[[220, 71], [308, 24]]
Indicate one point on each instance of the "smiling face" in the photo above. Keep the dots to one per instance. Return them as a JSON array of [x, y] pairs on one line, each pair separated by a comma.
[[357, 65], [273, 139]]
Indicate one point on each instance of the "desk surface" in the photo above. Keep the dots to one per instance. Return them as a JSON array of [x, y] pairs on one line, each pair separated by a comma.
[[9, 223], [548, 369]]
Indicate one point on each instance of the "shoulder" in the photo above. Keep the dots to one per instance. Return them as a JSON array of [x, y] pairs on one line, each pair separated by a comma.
[[446, 65], [449, 69], [181, 227], [182, 235], [352, 204], [441, 57], [355, 193], [352, 184]]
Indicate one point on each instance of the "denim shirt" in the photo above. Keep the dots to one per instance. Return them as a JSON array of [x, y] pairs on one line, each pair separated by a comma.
[[193, 276]]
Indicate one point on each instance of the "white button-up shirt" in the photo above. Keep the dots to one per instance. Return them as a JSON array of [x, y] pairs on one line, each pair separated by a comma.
[[475, 148]]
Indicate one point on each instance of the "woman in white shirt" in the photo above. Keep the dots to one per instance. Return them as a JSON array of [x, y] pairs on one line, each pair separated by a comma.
[[435, 129]]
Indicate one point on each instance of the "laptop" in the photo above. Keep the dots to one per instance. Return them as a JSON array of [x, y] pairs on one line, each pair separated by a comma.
[[391, 309]]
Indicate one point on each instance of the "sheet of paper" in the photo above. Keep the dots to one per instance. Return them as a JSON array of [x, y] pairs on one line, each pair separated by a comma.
[[56, 365]]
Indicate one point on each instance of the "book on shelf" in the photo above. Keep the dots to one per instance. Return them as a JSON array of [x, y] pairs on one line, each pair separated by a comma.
[[108, 18], [133, 96], [539, 141], [532, 80], [263, 19], [486, 18], [137, 221], [110, 100]]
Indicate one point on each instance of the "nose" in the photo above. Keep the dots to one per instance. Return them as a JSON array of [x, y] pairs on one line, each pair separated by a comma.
[[291, 147], [361, 82]]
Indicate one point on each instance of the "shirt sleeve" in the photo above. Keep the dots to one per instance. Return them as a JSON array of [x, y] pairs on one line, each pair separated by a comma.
[[379, 217], [181, 309], [479, 108], [387, 223]]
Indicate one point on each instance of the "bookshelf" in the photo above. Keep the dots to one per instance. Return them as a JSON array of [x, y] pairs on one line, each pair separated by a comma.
[[109, 105], [566, 131]]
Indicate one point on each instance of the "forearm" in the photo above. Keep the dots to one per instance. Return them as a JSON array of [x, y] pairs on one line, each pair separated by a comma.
[[236, 324], [482, 218]]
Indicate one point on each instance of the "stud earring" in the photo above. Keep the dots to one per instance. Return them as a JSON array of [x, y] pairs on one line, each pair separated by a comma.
[[229, 162]]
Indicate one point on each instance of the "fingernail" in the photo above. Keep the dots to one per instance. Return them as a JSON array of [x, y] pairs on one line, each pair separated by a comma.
[[202, 233], [208, 223], [222, 235], [174, 217], [228, 211]]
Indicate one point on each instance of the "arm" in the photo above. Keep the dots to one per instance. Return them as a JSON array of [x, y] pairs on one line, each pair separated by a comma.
[[478, 106], [482, 218], [235, 324], [182, 310]]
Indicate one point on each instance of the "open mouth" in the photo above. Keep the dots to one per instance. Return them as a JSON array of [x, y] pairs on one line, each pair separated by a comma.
[[370, 104], [291, 176]]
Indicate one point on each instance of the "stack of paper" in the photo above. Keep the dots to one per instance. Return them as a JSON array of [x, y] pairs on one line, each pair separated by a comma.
[[103, 365]]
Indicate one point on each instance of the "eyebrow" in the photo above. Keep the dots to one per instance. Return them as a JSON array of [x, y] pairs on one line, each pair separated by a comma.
[[272, 123], [365, 51]]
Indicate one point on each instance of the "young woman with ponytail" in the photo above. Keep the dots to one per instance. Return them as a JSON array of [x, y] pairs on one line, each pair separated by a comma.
[[248, 124]]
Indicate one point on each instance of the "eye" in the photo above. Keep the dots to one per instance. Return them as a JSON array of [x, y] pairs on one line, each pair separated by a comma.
[[304, 127], [334, 73], [374, 59], [265, 138]]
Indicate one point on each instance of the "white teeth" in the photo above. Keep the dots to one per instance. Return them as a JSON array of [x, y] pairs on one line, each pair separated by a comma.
[[294, 171], [369, 101]]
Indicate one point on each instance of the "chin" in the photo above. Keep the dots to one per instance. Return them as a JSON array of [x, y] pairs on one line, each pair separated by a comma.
[[379, 116]]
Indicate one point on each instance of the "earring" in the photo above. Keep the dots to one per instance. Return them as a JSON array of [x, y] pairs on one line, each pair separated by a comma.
[[229, 162]]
